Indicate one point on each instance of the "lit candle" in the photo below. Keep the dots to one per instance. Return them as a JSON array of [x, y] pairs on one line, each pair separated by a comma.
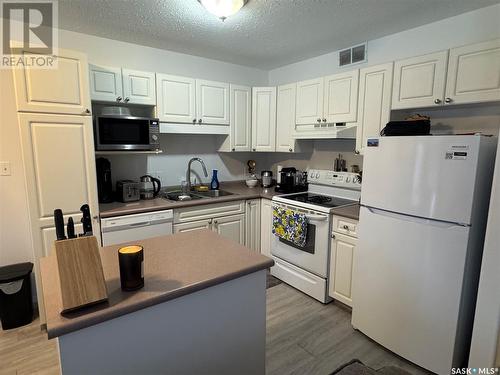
[[131, 260]]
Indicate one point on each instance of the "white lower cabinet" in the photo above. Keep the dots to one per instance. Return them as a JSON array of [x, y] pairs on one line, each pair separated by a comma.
[[342, 251], [232, 227], [252, 234], [193, 225], [266, 221], [227, 219]]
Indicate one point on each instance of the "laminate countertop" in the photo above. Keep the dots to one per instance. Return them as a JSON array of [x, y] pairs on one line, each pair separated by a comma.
[[174, 266], [238, 188], [350, 211]]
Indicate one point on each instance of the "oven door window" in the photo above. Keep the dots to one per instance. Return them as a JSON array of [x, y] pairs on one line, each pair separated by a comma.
[[310, 240], [116, 131]]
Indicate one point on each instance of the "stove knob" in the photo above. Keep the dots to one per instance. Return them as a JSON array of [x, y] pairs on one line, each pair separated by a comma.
[[317, 174], [347, 179]]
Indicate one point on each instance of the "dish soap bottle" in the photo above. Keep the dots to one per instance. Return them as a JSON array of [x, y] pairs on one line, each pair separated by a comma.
[[214, 185]]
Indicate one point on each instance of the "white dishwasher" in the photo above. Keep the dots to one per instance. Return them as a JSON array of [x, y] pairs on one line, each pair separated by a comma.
[[136, 227]]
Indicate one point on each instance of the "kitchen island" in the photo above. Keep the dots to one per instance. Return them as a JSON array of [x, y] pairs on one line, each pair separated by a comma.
[[202, 310]]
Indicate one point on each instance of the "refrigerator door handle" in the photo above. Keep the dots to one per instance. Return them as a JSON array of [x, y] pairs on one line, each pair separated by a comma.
[[415, 219]]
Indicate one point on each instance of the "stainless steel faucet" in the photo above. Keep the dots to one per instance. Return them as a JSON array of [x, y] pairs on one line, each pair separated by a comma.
[[188, 172]]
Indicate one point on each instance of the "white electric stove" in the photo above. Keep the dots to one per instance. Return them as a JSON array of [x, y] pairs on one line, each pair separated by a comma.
[[306, 268]]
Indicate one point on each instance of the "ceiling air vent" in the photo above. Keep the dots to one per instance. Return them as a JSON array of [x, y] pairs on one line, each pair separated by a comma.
[[353, 55]]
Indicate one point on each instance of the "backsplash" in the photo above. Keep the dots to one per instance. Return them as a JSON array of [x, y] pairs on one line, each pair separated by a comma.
[[171, 166], [322, 156]]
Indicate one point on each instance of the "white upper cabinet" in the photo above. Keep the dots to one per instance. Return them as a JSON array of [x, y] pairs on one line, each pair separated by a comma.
[[240, 137], [212, 102], [139, 87], [106, 83], [176, 98], [63, 90], [374, 106], [263, 118], [420, 81], [285, 118], [341, 97], [110, 84], [474, 73], [192, 101], [309, 107]]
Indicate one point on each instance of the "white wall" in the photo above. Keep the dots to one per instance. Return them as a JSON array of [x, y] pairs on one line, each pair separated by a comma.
[[115, 53], [476, 26]]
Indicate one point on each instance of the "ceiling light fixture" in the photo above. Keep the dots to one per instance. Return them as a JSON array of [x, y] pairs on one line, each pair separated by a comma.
[[223, 8]]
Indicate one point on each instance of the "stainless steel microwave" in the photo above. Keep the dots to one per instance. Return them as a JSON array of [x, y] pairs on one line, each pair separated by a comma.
[[114, 133]]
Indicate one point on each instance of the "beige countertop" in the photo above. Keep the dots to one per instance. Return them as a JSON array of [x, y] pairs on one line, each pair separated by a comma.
[[174, 266], [350, 211], [238, 188]]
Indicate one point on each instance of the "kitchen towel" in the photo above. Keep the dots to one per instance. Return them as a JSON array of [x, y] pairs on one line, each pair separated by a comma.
[[290, 225]]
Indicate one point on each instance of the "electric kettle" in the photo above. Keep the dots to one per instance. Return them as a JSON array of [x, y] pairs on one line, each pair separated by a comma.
[[150, 187]]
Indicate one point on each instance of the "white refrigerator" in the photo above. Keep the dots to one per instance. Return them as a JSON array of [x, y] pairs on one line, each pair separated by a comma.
[[421, 230]]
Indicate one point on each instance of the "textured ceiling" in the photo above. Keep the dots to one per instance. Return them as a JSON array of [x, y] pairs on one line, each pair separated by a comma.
[[264, 34]]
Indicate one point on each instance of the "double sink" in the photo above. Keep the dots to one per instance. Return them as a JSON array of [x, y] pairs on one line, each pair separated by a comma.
[[178, 195]]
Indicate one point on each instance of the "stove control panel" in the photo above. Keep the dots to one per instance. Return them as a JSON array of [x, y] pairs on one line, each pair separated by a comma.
[[331, 178]]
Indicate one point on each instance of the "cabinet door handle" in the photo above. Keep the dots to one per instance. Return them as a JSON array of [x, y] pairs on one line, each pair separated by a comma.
[[253, 149], [126, 100], [346, 227], [87, 111], [194, 121], [210, 221], [332, 235], [356, 152], [319, 120], [199, 121], [233, 149], [119, 99], [437, 101], [324, 120], [448, 100], [290, 150]]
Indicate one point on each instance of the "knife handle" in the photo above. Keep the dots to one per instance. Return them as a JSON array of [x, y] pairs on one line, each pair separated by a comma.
[[71, 228], [59, 223]]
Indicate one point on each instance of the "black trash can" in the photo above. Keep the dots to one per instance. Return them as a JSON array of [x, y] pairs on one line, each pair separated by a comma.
[[16, 305]]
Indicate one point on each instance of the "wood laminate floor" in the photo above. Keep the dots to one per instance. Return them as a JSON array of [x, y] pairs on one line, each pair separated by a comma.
[[303, 337], [307, 337]]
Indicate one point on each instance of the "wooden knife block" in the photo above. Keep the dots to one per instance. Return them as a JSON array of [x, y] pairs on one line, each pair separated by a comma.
[[80, 272]]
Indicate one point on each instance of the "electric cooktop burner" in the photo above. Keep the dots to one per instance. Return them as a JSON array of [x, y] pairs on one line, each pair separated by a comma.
[[320, 200]]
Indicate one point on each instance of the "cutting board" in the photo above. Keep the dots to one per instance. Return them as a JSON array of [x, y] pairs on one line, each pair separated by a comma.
[[80, 272]]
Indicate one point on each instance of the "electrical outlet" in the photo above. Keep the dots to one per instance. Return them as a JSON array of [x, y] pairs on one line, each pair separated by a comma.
[[4, 168]]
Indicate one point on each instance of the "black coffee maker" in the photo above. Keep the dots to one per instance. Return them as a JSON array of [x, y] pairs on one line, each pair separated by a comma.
[[291, 181], [104, 185]]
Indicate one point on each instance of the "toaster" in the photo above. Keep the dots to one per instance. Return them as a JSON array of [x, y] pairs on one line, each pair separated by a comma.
[[128, 190]]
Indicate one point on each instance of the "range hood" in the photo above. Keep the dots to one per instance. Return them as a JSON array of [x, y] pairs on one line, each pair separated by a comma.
[[328, 131]]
